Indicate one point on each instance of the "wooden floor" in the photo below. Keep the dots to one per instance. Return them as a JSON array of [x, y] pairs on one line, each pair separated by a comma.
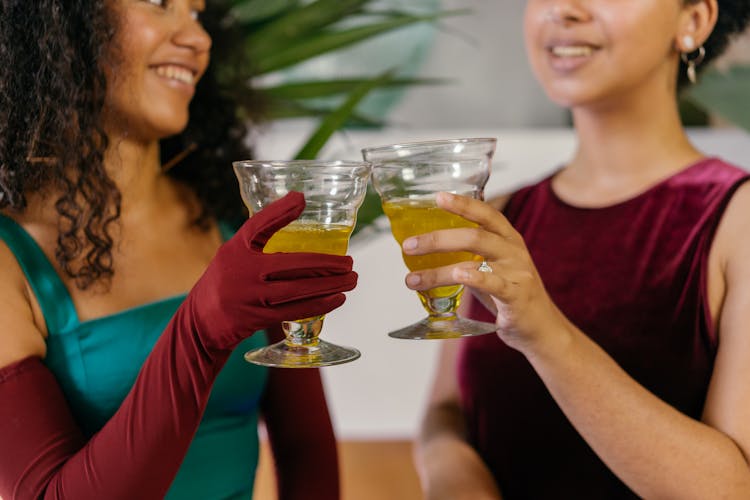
[[370, 470]]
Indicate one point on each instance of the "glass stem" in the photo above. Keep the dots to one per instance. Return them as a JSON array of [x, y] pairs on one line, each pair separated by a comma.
[[303, 332], [441, 308]]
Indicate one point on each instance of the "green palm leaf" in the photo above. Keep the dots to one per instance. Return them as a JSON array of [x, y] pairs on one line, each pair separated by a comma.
[[328, 41], [337, 118], [327, 88], [255, 11], [273, 35], [302, 21], [295, 109]]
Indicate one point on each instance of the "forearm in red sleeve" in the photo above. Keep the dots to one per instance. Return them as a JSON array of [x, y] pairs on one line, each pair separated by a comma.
[[300, 433], [135, 455]]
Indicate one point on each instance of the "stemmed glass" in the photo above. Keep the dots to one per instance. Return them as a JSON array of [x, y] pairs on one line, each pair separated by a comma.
[[333, 193], [407, 177]]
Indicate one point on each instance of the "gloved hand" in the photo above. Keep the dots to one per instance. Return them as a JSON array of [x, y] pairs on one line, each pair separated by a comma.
[[137, 453], [244, 289]]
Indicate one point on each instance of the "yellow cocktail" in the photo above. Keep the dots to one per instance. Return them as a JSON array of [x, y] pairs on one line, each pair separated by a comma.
[[333, 191], [310, 237], [413, 217], [407, 177]]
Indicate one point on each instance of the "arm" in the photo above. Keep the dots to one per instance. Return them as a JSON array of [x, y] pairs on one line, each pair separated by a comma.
[[134, 454], [300, 433], [448, 466], [139, 450], [656, 450]]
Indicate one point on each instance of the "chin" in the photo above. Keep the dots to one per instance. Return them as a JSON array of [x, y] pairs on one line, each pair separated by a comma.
[[173, 131], [569, 95], [173, 126]]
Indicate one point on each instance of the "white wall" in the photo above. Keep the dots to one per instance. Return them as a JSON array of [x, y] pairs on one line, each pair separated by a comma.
[[382, 394], [483, 52], [484, 55]]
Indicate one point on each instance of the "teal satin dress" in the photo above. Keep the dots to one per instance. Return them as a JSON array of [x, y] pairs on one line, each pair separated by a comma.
[[97, 361]]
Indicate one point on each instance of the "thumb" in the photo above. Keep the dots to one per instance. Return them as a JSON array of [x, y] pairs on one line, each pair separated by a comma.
[[262, 225]]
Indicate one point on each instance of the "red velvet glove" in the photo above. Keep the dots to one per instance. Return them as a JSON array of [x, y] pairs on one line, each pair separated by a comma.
[[244, 290], [137, 453]]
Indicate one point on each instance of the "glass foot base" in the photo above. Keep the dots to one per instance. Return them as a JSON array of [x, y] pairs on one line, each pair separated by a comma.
[[283, 355], [427, 329]]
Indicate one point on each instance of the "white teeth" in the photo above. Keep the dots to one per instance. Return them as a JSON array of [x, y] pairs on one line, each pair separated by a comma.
[[572, 51], [176, 73]]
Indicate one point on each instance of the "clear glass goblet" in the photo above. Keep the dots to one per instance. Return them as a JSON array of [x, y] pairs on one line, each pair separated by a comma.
[[333, 193], [407, 177]]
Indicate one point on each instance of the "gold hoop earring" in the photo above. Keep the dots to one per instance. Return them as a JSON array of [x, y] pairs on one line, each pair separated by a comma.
[[693, 62]]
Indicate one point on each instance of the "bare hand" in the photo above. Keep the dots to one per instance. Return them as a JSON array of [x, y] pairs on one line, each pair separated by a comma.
[[525, 312]]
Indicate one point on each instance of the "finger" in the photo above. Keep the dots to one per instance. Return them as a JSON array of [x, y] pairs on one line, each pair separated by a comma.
[[285, 292], [439, 276], [287, 266], [312, 307], [262, 225], [466, 273], [476, 240], [503, 286], [476, 211]]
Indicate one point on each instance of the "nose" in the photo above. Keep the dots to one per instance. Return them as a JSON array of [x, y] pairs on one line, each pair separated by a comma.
[[191, 34], [567, 12]]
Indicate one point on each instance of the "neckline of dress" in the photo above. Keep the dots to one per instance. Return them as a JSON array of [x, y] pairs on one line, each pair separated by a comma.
[[638, 196]]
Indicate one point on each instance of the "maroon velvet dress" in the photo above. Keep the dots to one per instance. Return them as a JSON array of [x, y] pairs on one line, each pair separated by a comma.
[[632, 276]]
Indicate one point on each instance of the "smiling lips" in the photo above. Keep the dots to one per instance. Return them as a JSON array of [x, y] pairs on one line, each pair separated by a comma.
[[570, 56], [572, 50], [175, 72]]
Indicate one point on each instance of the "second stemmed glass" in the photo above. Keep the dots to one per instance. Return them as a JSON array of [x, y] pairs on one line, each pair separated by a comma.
[[407, 177], [333, 193]]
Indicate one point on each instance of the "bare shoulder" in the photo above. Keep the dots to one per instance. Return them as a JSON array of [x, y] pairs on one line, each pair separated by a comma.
[[19, 335], [732, 240], [727, 405]]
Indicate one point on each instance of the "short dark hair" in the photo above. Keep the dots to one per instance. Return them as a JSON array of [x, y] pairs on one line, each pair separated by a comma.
[[52, 94], [733, 19]]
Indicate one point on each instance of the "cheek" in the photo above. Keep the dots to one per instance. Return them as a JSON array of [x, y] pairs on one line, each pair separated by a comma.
[[644, 33], [533, 21], [136, 38], [133, 45]]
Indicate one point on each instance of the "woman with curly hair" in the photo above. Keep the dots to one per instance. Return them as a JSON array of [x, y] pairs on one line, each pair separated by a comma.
[[126, 301], [620, 284]]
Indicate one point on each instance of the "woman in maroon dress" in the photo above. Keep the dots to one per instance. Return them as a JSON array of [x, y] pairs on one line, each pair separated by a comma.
[[620, 284]]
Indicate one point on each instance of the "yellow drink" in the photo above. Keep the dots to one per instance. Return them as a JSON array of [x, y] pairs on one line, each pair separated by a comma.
[[310, 237], [413, 217]]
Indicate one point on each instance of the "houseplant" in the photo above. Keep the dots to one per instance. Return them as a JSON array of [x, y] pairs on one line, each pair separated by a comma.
[[272, 36], [267, 37]]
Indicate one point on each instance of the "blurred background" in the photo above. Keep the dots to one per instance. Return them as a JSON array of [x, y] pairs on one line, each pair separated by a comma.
[[417, 70]]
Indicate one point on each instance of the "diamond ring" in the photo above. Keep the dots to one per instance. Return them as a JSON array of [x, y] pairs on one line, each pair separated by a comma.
[[484, 267]]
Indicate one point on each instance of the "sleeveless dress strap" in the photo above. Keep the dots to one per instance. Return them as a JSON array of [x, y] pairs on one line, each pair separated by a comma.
[[227, 229], [54, 299]]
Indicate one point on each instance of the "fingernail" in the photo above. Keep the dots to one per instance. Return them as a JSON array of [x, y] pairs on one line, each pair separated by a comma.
[[410, 244], [413, 279]]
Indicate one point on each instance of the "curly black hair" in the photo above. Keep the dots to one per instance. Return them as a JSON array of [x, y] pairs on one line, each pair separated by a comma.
[[734, 16], [52, 94]]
